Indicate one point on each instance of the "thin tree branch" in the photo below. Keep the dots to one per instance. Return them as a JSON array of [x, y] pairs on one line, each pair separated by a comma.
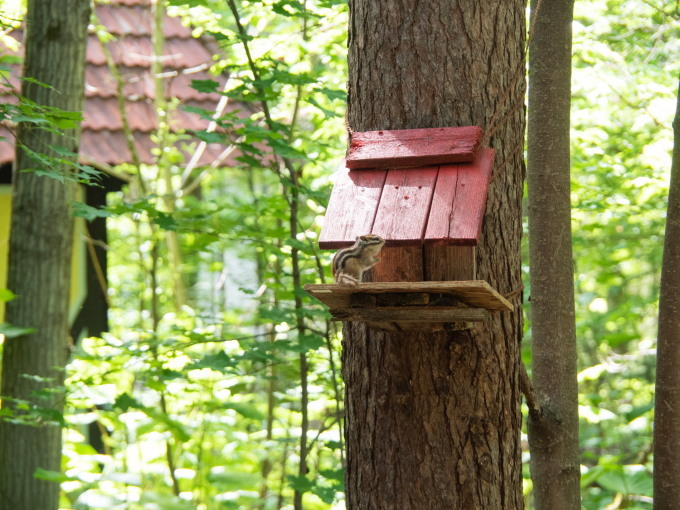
[[529, 393]]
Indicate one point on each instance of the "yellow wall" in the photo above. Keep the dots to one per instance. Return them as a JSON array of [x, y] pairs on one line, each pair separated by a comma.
[[5, 209], [78, 266]]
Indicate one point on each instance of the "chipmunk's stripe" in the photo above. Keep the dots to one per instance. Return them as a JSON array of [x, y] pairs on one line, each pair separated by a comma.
[[355, 251], [342, 256]]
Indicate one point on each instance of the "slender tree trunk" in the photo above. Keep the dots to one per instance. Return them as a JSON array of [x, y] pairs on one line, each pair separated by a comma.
[[41, 242], [667, 405], [433, 420], [553, 433]]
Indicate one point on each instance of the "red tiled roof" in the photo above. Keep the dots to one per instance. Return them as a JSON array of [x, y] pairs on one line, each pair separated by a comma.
[[184, 59]]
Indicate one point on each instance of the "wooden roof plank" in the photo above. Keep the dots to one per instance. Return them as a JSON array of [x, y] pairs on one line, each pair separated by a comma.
[[352, 207], [405, 205], [439, 221], [412, 147], [459, 201]]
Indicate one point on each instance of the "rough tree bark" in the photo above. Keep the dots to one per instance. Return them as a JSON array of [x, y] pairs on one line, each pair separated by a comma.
[[40, 248], [553, 433], [667, 399], [433, 420]]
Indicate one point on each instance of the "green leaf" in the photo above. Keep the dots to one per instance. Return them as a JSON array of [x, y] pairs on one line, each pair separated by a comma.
[[14, 331], [283, 148], [638, 411], [337, 475], [628, 480], [332, 94], [233, 479], [294, 243], [53, 476], [205, 86], [218, 362], [88, 212], [6, 295], [210, 136], [28, 79], [220, 36], [52, 174], [246, 410], [300, 483], [293, 8], [326, 494], [292, 78], [178, 430], [591, 476], [62, 151], [333, 445], [277, 315], [125, 402], [311, 342], [331, 3], [28, 119], [165, 221], [201, 112], [329, 114]]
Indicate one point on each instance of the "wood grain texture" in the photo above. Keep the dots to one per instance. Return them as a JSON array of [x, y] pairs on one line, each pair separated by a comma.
[[436, 205], [398, 264], [450, 262], [433, 420], [474, 293], [39, 265], [405, 206], [352, 207], [553, 437], [459, 201], [412, 314], [666, 426], [412, 147]]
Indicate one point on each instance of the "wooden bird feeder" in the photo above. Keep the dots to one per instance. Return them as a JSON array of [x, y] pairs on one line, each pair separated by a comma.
[[424, 192]]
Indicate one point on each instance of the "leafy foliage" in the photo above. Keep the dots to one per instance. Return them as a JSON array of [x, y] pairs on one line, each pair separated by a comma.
[[198, 390], [218, 368], [50, 160]]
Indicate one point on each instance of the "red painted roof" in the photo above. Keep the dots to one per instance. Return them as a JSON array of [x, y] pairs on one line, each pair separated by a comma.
[[185, 58], [403, 148], [432, 204]]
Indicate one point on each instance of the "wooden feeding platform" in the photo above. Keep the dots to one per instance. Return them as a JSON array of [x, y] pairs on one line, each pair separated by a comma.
[[399, 305], [424, 192]]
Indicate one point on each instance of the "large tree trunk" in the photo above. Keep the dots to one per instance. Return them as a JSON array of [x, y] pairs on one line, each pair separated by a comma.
[[667, 404], [433, 420], [553, 434], [40, 248]]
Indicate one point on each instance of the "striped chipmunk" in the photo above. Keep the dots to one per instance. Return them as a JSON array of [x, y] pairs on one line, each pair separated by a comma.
[[349, 264]]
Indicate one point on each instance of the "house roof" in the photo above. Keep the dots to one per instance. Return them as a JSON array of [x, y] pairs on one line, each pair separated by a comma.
[[423, 187], [185, 58]]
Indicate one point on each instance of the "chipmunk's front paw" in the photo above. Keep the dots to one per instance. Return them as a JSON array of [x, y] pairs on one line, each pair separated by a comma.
[[347, 280]]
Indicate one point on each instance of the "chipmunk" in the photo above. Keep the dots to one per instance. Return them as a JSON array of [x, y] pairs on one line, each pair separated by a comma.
[[350, 263]]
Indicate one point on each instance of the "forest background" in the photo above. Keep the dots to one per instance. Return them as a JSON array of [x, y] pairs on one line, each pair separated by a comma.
[[199, 389]]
